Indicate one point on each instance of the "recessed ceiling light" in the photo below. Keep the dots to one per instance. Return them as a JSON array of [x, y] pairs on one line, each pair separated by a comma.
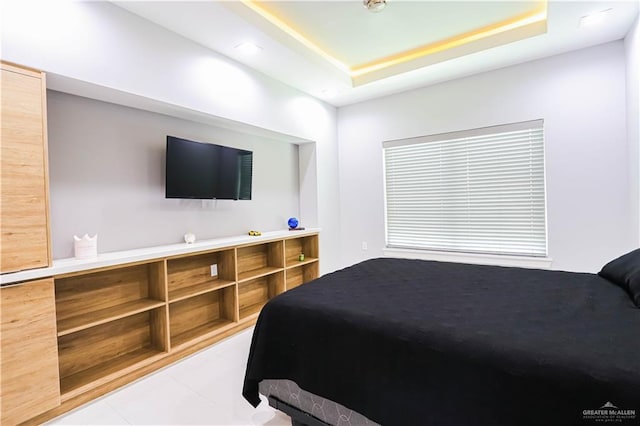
[[248, 48], [374, 5], [594, 18]]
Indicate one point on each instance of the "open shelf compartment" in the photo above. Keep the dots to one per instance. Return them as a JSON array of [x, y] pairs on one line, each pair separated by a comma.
[[199, 317], [90, 299], [300, 275], [307, 245], [192, 275], [255, 293], [96, 355], [259, 260]]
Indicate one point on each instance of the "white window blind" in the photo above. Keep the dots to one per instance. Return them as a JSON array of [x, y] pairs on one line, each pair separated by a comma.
[[478, 191]]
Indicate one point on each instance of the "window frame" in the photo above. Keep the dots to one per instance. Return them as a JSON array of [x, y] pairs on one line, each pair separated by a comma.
[[468, 255]]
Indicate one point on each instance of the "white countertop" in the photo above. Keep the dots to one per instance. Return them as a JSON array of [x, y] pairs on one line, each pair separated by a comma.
[[65, 266]]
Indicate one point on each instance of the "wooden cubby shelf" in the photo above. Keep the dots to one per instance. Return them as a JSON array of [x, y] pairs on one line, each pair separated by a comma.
[[90, 319], [197, 317], [190, 276], [83, 381], [198, 289], [98, 354], [298, 263], [300, 274], [259, 260], [88, 300], [255, 293], [257, 273], [123, 318], [307, 245], [201, 332]]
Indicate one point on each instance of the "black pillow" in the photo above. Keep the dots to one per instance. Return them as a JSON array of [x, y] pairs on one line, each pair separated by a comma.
[[625, 272]]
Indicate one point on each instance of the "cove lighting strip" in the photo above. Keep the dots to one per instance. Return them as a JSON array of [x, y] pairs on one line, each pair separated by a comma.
[[256, 7], [535, 16]]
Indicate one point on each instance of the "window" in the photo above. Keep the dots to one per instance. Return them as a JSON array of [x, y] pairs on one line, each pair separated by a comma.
[[475, 191]]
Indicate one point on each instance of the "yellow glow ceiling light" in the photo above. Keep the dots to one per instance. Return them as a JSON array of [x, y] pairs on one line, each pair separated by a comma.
[[537, 16]]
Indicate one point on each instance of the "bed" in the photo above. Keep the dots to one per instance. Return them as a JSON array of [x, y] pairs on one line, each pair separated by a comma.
[[413, 342]]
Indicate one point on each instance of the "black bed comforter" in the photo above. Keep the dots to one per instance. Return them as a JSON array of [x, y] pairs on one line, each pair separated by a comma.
[[411, 342]]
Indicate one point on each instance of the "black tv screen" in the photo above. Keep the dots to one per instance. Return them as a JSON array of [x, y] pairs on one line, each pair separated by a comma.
[[207, 171]]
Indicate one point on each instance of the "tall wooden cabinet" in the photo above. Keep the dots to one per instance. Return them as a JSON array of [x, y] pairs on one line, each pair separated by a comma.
[[29, 373], [24, 242], [29, 376]]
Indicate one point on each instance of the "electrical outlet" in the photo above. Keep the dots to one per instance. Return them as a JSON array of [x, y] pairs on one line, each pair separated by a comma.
[[214, 270], [365, 246]]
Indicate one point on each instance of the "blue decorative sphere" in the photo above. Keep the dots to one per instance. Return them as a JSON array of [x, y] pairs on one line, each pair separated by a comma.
[[293, 222]]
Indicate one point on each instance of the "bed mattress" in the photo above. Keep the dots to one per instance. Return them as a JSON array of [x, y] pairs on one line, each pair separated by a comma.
[[416, 342]]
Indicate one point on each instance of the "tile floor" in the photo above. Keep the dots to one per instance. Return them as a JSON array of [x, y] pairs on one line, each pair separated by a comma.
[[204, 389]]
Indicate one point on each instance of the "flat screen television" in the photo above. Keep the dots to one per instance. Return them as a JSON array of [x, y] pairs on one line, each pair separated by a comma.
[[199, 170]]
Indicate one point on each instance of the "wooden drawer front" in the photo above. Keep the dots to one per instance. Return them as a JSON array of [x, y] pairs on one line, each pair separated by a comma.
[[23, 202], [29, 366]]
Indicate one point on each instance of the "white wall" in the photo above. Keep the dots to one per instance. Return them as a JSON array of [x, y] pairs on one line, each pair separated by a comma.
[[106, 176], [632, 48], [101, 44], [580, 96]]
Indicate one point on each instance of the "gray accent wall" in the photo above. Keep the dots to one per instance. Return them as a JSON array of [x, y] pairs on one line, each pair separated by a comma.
[[106, 167]]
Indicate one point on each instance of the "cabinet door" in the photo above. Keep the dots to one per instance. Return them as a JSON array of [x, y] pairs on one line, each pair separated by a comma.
[[29, 378], [23, 170]]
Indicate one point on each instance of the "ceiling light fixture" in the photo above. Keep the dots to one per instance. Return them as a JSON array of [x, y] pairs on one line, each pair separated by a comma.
[[248, 48], [374, 5], [594, 18]]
